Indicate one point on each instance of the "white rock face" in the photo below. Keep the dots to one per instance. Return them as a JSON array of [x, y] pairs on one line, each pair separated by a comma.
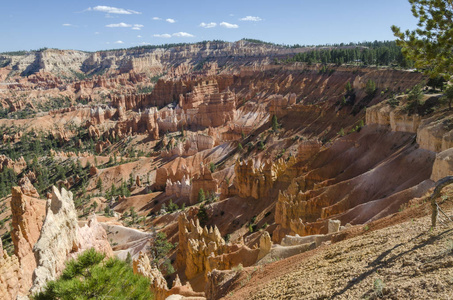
[[59, 237], [443, 165], [93, 235], [333, 226]]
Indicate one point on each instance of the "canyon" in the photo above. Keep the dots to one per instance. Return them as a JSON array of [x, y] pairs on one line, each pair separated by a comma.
[[238, 158]]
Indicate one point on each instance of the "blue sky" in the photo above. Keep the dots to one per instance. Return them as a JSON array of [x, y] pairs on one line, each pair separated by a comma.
[[96, 25]]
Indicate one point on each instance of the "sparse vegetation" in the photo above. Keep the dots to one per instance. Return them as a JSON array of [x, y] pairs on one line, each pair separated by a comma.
[[378, 287], [202, 215], [159, 249]]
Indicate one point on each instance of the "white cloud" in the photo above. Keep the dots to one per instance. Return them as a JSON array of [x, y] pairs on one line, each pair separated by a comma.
[[231, 15], [165, 36], [113, 10], [170, 20], [97, 32], [251, 18], [122, 25], [119, 42], [208, 25], [139, 36], [137, 27], [176, 34], [228, 25], [67, 25], [157, 18], [182, 34]]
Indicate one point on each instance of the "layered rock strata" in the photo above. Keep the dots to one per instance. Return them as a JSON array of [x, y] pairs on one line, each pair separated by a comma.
[[27, 220]]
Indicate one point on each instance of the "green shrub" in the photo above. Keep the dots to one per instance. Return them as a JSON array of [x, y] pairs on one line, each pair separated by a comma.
[[212, 167], [89, 277], [413, 99], [172, 206], [378, 287], [275, 125], [201, 196], [203, 215]]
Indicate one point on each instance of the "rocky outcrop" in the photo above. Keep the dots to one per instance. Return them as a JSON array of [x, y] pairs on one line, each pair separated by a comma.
[[149, 118], [203, 181], [27, 219], [126, 81], [93, 132], [195, 246], [101, 146], [163, 175], [433, 133], [443, 165], [141, 122], [288, 212], [141, 265], [61, 238], [58, 238], [97, 115], [17, 165], [27, 188], [436, 133], [93, 235], [178, 189], [202, 250], [279, 104], [9, 275], [192, 145], [164, 93], [171, 120], [396, 118], [206, 106], [255, 181], [93, 170]]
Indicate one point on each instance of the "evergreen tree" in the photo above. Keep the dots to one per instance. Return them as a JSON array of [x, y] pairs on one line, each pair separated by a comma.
[[159, 249], [275, 125], [99, 185], [201, 196], [90, 277], [431, 44], [370, 88], [449, 95]]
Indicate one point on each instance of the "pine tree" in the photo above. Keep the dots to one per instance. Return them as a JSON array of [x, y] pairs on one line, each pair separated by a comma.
[[431, 44], [99, 185], [201, 196], [90, 277], [370, 88], [275, 125]]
